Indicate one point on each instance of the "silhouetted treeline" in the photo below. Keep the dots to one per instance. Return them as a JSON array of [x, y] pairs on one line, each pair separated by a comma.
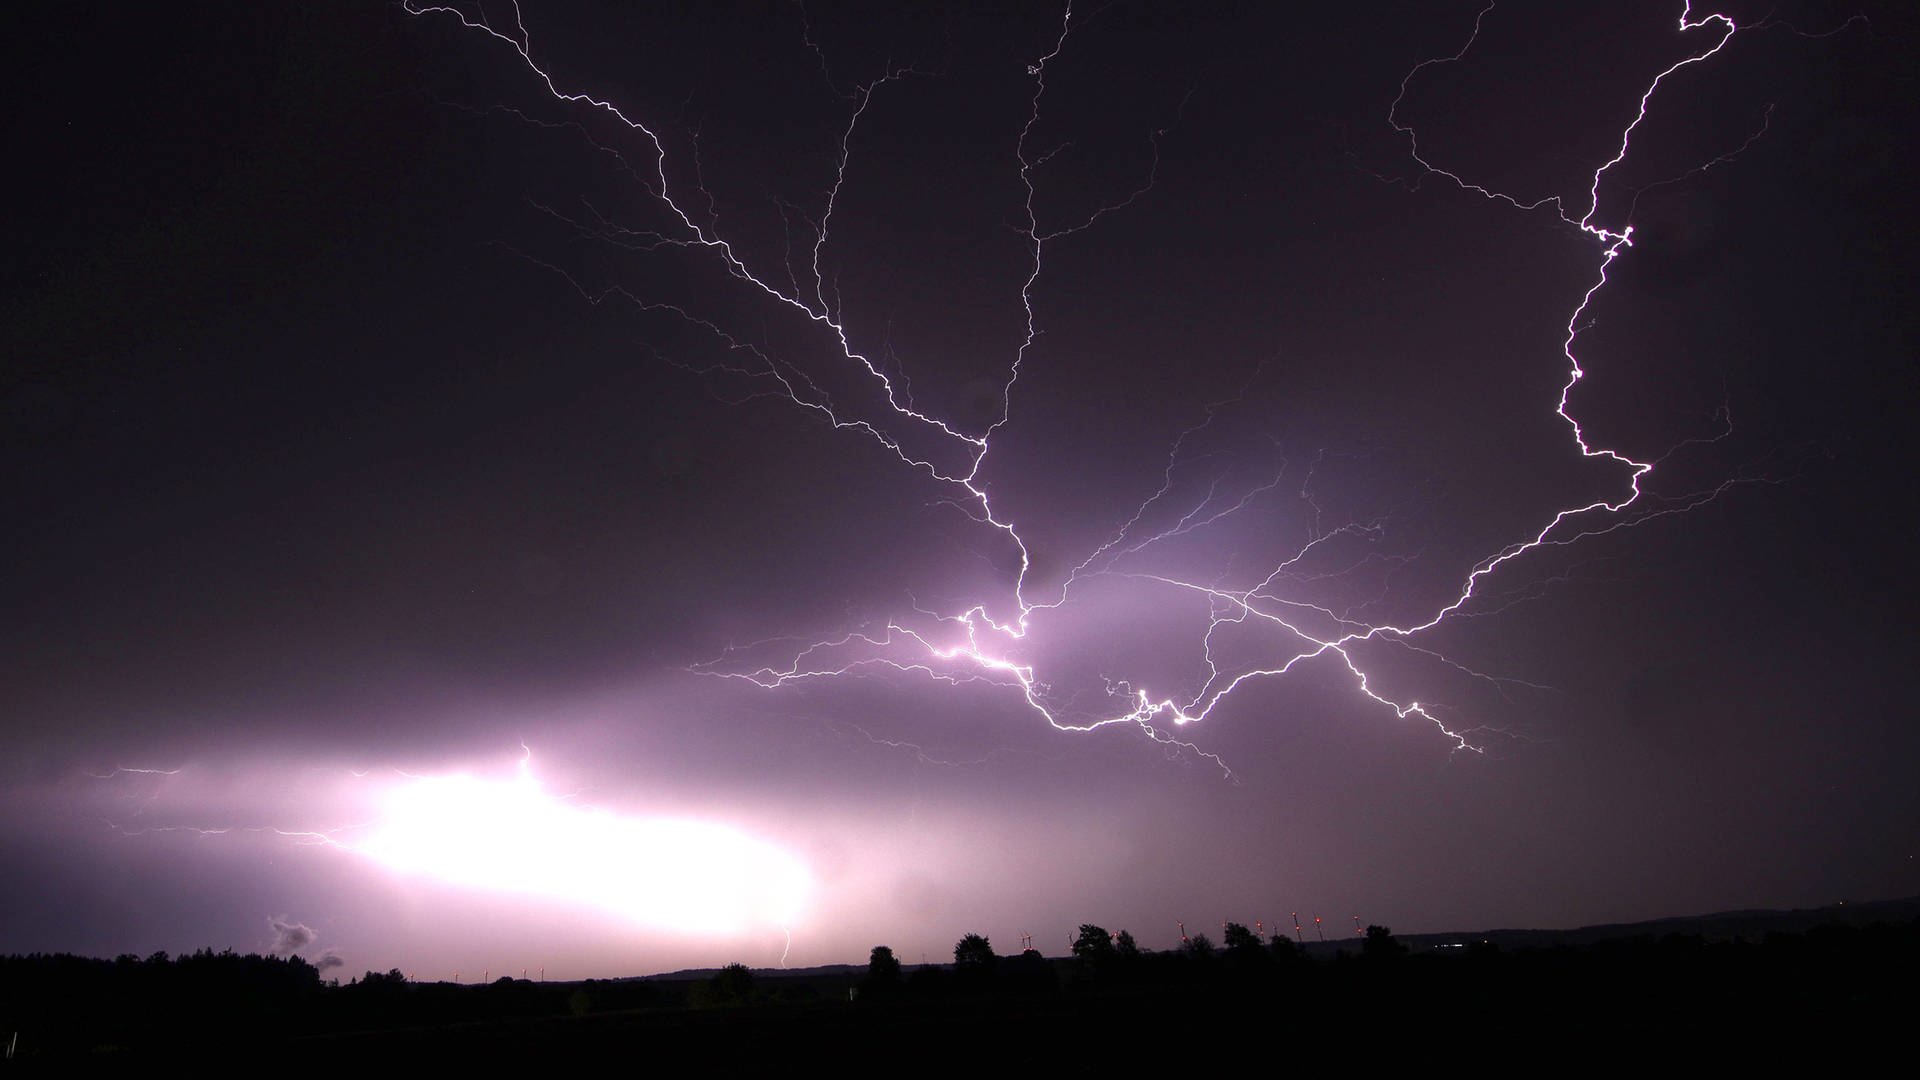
[[1682, 992], [61, 1000], [61, 1004]]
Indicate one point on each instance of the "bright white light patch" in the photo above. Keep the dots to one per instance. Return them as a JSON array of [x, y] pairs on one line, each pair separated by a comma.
[[510, 836]]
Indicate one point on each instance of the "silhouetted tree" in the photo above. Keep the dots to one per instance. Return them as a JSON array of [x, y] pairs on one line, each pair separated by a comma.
[[1198, 947], [1125, 948], [1029, 972], [973, 961], [379, 981], [1093, 948], [882, 965], [1380, 945], [731, 985], [973, 953], [883, 974], [1238, 939], [1246, 954]]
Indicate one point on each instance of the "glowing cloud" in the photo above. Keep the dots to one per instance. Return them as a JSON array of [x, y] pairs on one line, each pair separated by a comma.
[[511, 836]]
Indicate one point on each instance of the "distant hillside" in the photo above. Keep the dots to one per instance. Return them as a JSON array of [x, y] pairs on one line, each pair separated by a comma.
[[830, 971], [1718, 926]]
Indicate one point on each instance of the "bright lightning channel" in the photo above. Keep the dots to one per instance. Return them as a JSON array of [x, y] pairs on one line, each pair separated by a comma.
[[973, 644]]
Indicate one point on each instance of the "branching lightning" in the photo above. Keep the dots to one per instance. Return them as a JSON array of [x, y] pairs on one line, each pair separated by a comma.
[[983, 642]]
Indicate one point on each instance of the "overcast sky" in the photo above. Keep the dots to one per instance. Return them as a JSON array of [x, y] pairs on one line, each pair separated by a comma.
[[414, 482]]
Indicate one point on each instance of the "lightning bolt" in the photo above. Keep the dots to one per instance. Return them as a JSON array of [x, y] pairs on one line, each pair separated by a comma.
[[983, 642]]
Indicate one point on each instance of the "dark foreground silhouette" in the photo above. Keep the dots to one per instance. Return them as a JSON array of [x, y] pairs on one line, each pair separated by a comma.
[[1836, 990]]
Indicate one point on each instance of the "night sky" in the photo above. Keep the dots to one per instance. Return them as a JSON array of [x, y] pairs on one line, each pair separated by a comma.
[[406, 508]]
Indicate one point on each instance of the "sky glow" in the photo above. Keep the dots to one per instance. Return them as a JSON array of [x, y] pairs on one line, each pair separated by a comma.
[[909, 470], [511, 836]]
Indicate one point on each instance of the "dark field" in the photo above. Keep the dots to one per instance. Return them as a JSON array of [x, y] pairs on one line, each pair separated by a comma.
[[1732, 990]]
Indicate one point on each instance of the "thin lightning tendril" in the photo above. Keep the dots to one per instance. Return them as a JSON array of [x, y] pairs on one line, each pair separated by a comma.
[[973, 645]]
